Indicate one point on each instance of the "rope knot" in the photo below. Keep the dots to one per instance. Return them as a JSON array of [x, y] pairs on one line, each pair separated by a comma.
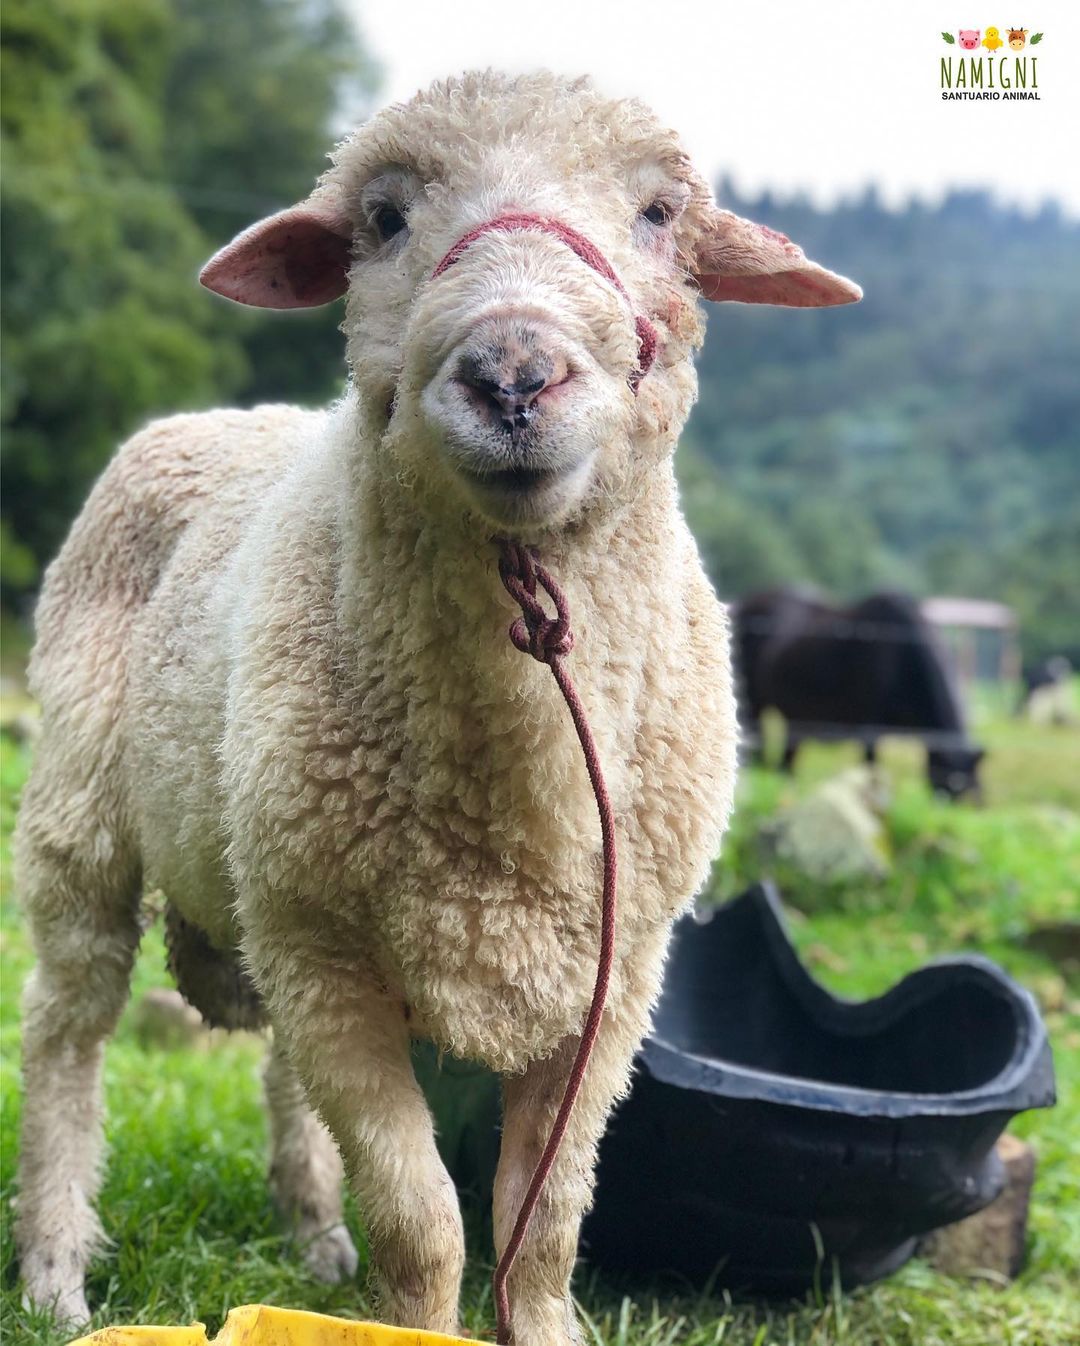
[[534, 632]]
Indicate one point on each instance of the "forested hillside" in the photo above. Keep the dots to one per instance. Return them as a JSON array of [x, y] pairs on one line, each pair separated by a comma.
[[137, 138], [928, 437]]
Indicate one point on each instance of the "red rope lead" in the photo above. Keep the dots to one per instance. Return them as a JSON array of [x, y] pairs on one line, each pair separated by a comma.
[[514, 220], [549, 639]]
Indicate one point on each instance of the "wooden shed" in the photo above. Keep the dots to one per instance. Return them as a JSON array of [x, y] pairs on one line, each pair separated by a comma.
[[981, 636]]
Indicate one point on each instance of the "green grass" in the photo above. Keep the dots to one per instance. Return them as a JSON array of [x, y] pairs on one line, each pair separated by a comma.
[[185, 1198]]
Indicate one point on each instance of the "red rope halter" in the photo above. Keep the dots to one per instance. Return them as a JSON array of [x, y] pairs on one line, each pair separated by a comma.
[[590, 254], [549, 640]]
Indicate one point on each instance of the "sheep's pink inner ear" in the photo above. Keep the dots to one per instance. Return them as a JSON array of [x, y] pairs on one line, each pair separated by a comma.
[[297, 259], [751, 264]]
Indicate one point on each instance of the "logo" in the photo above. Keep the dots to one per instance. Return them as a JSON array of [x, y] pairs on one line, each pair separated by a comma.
[[997, 68]]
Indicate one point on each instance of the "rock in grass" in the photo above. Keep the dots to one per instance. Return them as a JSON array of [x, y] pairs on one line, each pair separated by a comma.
[[20, 716], [163, 1018], [991, 1242], [835, 833]]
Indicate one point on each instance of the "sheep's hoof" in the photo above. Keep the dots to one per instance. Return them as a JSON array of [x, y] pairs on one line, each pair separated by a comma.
[[551, 1327], [329, 1255], [68, 1307]]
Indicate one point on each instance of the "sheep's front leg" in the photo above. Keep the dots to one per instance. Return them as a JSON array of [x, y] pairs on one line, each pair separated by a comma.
[[541, 1309], [349, 1043]]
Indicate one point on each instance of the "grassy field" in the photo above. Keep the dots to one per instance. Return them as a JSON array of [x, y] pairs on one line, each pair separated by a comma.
[[185, 1198]]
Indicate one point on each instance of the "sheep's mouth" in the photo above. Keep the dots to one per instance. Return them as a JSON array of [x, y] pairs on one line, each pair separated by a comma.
[[519, 480], [522, 493]]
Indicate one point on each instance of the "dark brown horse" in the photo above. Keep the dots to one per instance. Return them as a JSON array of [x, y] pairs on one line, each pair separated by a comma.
[[861, 672]]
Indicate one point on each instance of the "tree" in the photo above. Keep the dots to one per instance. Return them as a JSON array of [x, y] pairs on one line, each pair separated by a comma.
[[135, 137]]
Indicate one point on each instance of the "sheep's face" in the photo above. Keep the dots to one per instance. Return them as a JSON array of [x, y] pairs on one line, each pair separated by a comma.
[[504, 244], [509, 386]]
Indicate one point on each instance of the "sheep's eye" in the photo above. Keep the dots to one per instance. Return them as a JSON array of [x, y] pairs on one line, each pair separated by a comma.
[[657, 213], [389, 221]]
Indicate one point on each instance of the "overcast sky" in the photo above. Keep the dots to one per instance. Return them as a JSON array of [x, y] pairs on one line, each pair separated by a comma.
[[823, 96]]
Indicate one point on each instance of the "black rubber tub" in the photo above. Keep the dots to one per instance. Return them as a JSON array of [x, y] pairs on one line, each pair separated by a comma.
[[775, 1132]]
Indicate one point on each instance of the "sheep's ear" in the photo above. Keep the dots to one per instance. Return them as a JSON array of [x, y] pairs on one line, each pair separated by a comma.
[[296, 259], [738, 260]]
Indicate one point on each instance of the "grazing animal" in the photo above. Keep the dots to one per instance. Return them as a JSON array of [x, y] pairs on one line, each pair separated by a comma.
[[859, 672], [1017, 38], [969, 38], [1046, 697], [276, 683], [992, 41]]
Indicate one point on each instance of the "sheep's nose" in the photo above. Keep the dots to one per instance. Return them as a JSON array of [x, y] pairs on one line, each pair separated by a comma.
[[508, 387]]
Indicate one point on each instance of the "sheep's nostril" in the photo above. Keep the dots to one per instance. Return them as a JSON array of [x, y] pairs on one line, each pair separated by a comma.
[[511, 393], [516, 400]]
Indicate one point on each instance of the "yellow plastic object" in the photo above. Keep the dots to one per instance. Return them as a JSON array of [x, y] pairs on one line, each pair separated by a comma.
[[264, 1325]]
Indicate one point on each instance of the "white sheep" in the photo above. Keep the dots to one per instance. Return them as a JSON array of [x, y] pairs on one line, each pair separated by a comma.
[[276, 682]]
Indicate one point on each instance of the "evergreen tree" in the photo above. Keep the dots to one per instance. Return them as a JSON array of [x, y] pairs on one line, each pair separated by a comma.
[[137, 138]]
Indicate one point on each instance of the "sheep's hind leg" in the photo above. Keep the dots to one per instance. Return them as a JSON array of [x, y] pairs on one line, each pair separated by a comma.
[[306, 1174], [79, 886]]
